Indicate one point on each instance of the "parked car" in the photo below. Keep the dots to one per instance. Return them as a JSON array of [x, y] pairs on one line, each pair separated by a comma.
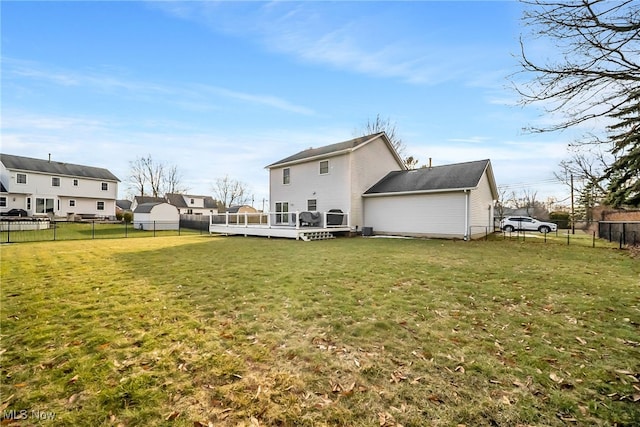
[[15, 212], [526, 223]]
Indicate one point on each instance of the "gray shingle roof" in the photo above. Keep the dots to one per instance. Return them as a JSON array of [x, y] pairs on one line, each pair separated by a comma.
[[124, 204], [148, 199], [327, 149], [55, 168], [177, 199], [146, 207], [447, 177]]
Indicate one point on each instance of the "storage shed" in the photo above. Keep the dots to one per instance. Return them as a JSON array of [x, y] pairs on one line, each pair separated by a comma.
[[156, 216], [451, 201]]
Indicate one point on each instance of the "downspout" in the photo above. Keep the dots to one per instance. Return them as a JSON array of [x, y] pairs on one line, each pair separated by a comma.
[[466, 214]]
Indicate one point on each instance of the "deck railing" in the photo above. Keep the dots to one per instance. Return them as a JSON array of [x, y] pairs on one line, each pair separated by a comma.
[[278, 219]]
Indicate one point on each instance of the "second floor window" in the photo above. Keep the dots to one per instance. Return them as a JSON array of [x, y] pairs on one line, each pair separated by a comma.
[[21, 178], [72, 203], [55, 181], [105, 186], [286, 176], [75, 182], [324, 167]]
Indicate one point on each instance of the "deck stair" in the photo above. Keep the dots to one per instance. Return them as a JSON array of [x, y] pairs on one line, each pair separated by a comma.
[[307, 236]]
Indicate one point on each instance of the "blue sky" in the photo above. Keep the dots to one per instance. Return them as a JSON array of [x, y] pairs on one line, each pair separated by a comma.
[[226, 88]]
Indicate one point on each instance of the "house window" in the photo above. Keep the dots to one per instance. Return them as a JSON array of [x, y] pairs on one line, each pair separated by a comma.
[[21, 178], [192, 201], [3, 202], [43, 205], [55, 181], [75, 182], [105, 186], [72, 203], [324, 167], [100, 206], [312, 205], [282, 212], [28, 203], [286, 176]]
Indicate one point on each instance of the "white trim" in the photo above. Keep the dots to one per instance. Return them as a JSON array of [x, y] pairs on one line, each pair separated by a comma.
[[405, 193]]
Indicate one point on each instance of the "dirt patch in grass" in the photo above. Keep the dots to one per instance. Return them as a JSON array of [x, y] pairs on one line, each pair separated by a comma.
[[242, 331]]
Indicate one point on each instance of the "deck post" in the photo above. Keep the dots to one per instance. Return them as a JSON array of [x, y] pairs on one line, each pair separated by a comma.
[[297, 220], [226, 219], [246, 219]]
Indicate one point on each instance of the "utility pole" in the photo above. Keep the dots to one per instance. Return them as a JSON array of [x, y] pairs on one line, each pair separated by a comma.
[[573, 218]]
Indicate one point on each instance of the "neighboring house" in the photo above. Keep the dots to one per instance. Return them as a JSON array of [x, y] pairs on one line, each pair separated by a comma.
[[193, 205], [123, 206], [449, 201], [139, 200], [331, 177], [156, 216], [51, 188], [366, 178]]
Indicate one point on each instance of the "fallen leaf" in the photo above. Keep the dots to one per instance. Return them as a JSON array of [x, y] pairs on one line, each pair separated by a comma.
[[555, 378], [505, 400], [172, 416], [74, 379], [583, 410], [581, 341], [460, 369], [72, 398]]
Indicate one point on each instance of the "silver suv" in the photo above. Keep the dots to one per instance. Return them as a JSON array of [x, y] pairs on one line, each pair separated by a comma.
[[526, 223]]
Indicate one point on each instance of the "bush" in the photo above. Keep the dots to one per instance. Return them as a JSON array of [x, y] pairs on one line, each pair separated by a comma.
[[560, 218], [119, 216], [128, 217]]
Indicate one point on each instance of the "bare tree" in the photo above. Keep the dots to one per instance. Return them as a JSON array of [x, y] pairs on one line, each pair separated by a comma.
[[230, 191], [598, 67], [148, 177], [173, 180], [384, 125], [596, 75]]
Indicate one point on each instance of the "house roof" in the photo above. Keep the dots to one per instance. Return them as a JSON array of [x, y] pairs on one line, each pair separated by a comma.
[[178, 200], [55, 168], [124, 204], [146, 207], [453, 177], [333, 149], [149, 199]]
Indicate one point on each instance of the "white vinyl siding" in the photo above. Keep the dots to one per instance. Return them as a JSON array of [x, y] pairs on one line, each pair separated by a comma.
[[481, 209], [433, 215], [369, 164]]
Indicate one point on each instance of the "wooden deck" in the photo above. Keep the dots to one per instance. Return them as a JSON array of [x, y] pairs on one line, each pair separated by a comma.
[[241, 224], [302, 233]]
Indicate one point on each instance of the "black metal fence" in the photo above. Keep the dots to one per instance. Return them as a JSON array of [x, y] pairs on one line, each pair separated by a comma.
[[622, 232], [17, 231]]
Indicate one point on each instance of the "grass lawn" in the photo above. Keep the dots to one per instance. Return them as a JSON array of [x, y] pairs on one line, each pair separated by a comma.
[[199, 330], [87, 230]]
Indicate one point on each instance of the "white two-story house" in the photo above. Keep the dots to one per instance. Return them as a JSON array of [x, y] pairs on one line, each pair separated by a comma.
[[331, 177], [51, 188], [366, 178]]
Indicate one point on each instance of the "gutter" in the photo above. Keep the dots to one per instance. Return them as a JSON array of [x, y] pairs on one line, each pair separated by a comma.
[[467, 194], [408, 193]]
